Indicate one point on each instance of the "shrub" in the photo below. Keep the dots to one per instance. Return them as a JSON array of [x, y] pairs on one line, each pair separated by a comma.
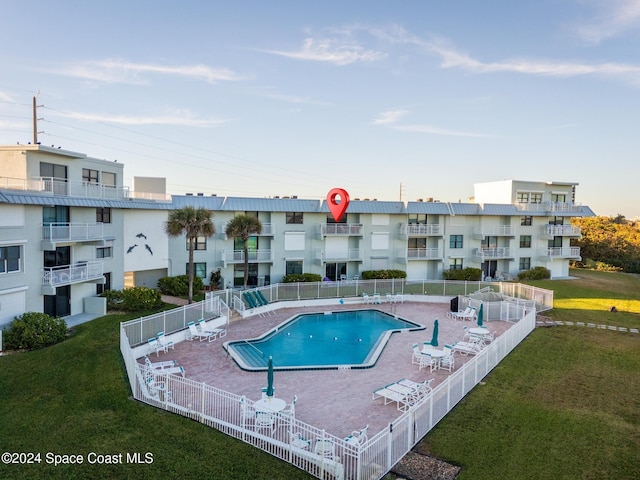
[[597, 265], [179, 286], [133, 299], [536, 273], [383, 274], [301, 278], [469, 273], [33, 330]]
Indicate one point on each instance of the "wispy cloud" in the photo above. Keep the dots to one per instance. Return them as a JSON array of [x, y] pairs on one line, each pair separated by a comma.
[[293, 99], [389, 117], [430, 130], [121, 71], [179, 117], [613, 18], [338, 52], [452, 58]]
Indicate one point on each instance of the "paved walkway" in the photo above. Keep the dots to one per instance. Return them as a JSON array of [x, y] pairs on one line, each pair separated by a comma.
[[338, 401]]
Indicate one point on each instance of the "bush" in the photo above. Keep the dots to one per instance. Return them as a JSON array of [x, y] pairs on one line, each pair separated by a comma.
[[596, 265], [179, 286], [134, 299], [383, 274], [33, 330], [301, 278], [536, 273], [469, 273]]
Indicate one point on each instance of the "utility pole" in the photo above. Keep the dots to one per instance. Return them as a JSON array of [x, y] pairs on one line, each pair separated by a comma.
[[35, 119]]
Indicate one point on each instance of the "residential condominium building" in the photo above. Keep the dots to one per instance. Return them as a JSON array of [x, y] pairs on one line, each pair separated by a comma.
[[69, 229]]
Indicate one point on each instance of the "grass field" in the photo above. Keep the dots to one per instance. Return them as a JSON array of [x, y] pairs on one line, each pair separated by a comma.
[[563, 405]]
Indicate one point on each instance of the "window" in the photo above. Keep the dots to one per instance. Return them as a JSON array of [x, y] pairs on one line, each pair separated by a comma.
[[556, 221], [252, 244], [525, 263], [199, 243], [522, 197], [526, 220], [53, 170], [294, 218], [455, 241], [199, 269], [10, 259], [55, 214], [90, 176], [418, 218], [536, 197], [109, 179], [293, 267], [104, 252], [106, 286], [417, 243], [558, 197], [556, 242], [525, 241], [455, 264], [103, 215]]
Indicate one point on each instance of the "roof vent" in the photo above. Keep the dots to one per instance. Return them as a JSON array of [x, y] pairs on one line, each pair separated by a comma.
[[214, 194], [200, 194], [189, 194]]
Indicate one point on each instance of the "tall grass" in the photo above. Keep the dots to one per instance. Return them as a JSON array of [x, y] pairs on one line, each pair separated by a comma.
[[564, 404]]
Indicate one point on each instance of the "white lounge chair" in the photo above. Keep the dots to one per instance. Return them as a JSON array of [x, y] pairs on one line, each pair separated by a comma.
[[159, 365], [403, 399], [421, 389], [166, 344], [468, 313], [155, 346], [467, 348], [194, 332], [203, 327]]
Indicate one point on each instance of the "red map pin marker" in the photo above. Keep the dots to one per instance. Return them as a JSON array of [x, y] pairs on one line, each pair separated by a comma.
[[337, 208]]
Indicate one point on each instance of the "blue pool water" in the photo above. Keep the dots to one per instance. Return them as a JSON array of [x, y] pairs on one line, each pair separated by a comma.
[[347, 339]]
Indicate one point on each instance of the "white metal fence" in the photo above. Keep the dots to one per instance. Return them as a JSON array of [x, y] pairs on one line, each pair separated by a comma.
[[223, 410]]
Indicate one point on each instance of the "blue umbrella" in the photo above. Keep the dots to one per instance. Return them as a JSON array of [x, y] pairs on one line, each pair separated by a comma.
[[480, 315], [434, 339], [270, 377]]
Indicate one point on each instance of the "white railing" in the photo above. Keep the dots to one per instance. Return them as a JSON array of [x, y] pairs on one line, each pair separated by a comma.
[[223, 410], [60, 232], [424, 254], [493, 252], [268, 229], [493, 230], [564, 207], [420, 229], [562, 231], [351, 255], [561, 252], [237, 256], [340, 229], [68, 274]]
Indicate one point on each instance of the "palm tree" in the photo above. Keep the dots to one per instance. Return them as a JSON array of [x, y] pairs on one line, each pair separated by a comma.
[[193, 223], [243, 226]]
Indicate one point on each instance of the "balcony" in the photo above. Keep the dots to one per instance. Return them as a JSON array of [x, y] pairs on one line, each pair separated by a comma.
[[421, 254], [351, 255], [550, 231], [268, 230], [480, 233], [55, 233], [492, 253], [421, 229], [89, 271], [551, 253], [261, 255], [340, 229], [550, 207], [61, 187]]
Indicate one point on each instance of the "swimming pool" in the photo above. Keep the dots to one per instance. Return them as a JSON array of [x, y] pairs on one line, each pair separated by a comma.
[[325, 340]]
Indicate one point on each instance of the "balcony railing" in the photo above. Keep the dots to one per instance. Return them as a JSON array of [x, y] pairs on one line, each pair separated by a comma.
[[351, 255], [340, 229], [420, 229], [555, 207], [62, 187], [492, 253], [254, 256], [562, 231], [561, 252], [424, 254], [493, 231], [68, 274], [72, 232], [268, 229]]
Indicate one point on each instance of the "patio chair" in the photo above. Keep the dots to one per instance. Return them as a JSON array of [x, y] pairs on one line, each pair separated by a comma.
[[167, 344], [357, 437], [289, 413], [247, 413], [325, 448], [265, 420], [417, 355], [159, 365], [155, 346], [366, 299], [427, 361], [448, 362], [298, 441]]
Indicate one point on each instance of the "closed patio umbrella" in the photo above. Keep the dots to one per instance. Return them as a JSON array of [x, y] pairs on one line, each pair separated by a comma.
[[270, 377], [434, 339], [480, 315]]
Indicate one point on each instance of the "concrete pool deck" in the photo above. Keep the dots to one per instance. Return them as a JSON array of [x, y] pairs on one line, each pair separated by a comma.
[[338, 401]]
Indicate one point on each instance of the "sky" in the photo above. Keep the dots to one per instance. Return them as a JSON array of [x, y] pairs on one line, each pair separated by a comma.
[[388, 100]]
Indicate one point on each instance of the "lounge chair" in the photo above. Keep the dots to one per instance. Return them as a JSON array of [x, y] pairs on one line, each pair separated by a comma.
[[467, 348], [357, 437], [155, 346], [194, 332], [421, 389], [262, 300], [391, 394], [167, 344], [468, 313], [159, 365], [202, 327]]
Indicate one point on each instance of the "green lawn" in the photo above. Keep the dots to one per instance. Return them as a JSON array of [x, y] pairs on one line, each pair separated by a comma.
[[564, 404], [74, 398]]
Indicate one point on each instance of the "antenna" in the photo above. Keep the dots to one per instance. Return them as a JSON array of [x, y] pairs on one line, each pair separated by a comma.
[[35, 118]]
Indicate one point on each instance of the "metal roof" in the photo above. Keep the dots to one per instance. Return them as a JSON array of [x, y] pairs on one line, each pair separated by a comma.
[[39, 199], [241, 204], [430, 208], [370, 206], [197, 201]]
